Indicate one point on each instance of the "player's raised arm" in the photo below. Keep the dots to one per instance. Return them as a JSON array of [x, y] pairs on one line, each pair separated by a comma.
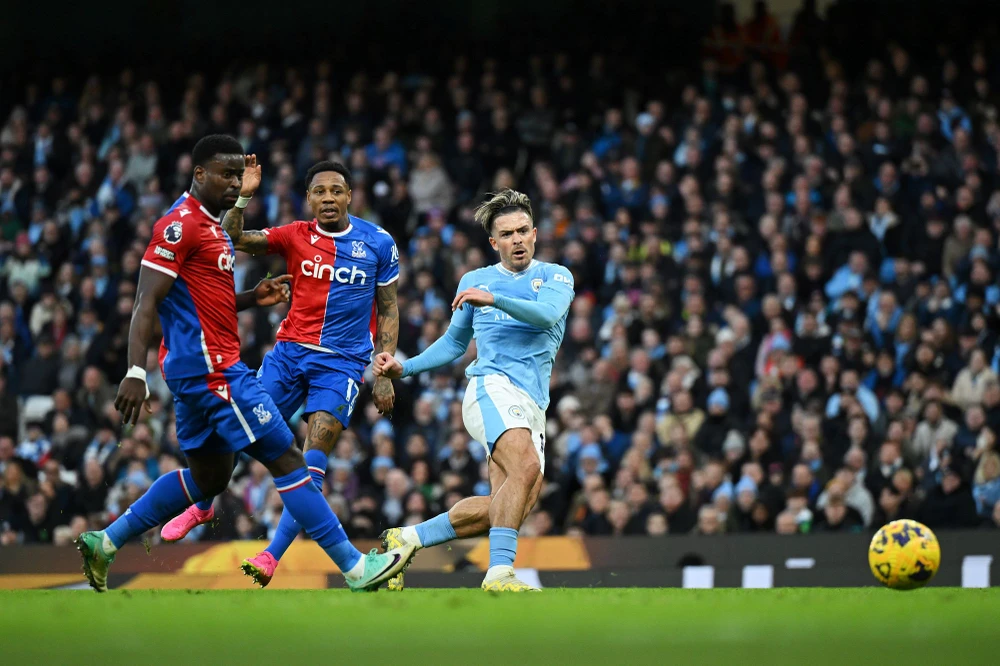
[[152, 289], [251, 242]]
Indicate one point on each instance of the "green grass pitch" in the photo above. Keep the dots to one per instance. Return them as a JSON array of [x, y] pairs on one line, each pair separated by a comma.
[[663, 626]]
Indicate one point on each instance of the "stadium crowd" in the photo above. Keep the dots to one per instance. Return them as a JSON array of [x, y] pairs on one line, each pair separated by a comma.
[[787, 301]]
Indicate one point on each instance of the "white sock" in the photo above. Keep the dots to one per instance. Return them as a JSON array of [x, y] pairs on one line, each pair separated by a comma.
[[108, 547], [498, 571], [357, 571], [411, 537]]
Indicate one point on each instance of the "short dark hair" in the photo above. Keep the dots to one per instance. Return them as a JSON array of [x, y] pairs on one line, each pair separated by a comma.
[[500, 203], [327, 165], [214, 144]]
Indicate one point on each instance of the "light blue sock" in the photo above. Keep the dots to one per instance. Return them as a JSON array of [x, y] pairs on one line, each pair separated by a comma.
[[168, 495], [436, 530], [503, 546]]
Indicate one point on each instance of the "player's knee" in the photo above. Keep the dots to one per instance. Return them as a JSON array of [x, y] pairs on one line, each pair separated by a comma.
[[286, 463], [528, 468], [515, 454], [534, 468], [212, 483]]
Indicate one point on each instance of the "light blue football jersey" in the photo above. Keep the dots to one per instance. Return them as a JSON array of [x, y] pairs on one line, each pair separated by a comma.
[[522, 352]]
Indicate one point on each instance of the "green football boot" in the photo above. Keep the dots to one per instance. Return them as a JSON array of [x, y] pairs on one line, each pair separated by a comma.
[[380, 567], [95, 560]]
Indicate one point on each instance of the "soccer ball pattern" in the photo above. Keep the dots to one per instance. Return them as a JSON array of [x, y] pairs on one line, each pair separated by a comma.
[[904, 555]]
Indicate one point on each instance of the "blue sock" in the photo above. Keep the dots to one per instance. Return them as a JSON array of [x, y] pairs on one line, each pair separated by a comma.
[[206, 503], [503, 546], [288, 529], [316, 462], [308, 507], [168, 495], [436, 530]]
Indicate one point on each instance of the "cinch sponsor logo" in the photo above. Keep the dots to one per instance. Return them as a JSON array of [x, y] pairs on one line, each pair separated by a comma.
[[344, 275], [227, 262]]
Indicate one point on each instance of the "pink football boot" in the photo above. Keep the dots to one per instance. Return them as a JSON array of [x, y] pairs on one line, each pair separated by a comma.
[[260, 567], [192, 517]]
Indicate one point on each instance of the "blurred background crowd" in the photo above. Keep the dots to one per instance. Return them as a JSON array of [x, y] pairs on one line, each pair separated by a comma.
[[785, 255]]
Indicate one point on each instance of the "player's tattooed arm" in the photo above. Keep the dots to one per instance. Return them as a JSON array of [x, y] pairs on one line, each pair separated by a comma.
[[387, 319], [251, 242], [387, 330]]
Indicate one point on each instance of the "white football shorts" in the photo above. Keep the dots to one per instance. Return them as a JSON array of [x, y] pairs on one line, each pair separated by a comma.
[[493, 405]]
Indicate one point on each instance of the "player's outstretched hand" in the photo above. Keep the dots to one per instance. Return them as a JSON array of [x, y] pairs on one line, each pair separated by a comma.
[[386, 365], [474, 297], [271, 291], [251, 176], [132, 394], [383, 395]]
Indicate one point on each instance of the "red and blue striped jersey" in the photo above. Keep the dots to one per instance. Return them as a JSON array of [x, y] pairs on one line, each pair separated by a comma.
[[334, 278], [198, 315]]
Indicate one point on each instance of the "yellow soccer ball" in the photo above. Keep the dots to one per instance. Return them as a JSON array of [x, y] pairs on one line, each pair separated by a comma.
[[904, 555]]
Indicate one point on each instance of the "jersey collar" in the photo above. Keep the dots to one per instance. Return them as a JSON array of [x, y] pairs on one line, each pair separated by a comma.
[[509, 273], [333, 234], [188, 198]]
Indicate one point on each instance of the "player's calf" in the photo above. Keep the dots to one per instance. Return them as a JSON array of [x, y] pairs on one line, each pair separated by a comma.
[[469, 517], [516, 456], [212, 473], [324, 431], [308, 507]]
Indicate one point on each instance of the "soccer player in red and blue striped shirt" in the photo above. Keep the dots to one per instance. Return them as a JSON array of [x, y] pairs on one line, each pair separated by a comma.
[[221, 408], [344, 271]]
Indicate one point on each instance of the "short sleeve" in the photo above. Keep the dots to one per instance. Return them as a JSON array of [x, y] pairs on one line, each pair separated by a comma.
[[388, 260], [172, 242], [462, 317], [560, 279], [279, 239]]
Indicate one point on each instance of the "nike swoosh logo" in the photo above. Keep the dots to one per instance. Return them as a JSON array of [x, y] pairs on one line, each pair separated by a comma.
[[395, 561]]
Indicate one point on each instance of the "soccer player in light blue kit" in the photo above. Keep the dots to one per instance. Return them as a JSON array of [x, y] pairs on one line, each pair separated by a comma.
[[516, 310]]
